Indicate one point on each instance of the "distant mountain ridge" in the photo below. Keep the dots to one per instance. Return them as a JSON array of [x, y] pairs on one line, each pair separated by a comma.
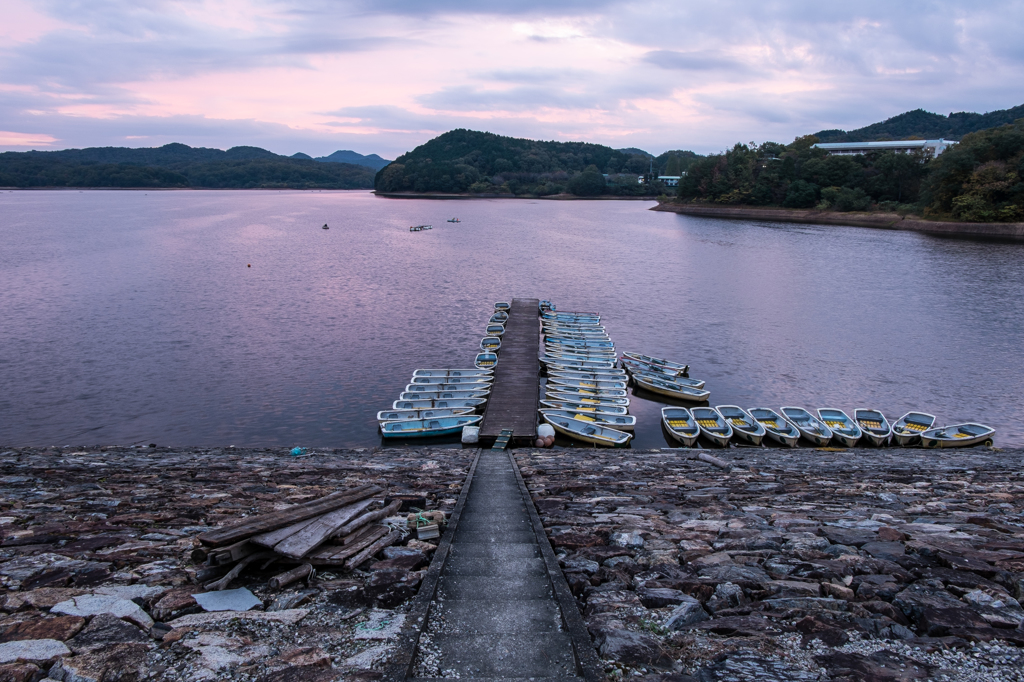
[[177, 165], [925, 125], [348, 156]]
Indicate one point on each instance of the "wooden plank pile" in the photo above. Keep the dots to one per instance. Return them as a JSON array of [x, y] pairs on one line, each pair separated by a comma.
[[341, 530]]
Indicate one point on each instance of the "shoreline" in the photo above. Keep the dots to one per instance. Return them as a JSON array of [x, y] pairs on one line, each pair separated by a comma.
[[770, 560], [882, 221], [464, 195]]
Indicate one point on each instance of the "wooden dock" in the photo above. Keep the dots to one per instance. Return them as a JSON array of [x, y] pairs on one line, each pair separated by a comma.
[[516, 389]]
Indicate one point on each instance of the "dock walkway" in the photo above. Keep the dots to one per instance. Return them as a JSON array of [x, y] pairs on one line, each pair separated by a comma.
[[497, 613], [514, 398]]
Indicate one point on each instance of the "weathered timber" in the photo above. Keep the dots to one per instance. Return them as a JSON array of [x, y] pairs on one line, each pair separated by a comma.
[[288, 577], [275, 536], [223, 583], [370, 517], [355, 536], [316, 533], [300, 512], [231, 553], [386, 541], [516, 388], [334, 555]]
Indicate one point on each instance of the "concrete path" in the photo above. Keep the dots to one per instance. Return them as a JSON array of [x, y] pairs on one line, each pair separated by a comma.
[[495, 615]]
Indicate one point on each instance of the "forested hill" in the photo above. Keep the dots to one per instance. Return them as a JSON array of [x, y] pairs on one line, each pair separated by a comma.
[[177, 166], [921, 124], [470, 161]]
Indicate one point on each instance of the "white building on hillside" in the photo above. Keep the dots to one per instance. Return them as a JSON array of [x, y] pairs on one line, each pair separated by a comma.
[[933, 147]]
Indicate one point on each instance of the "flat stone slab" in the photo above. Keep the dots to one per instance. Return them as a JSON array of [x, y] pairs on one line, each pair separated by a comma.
[[496, 552], [546, 654], [513, 568], [286, 616], [500, 589], [494, 617]]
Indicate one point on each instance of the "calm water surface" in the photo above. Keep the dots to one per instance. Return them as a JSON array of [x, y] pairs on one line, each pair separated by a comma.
[[132, 317]]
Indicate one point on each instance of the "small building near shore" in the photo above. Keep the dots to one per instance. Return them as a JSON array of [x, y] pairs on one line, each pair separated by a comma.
[[931, 147], [667, 180]]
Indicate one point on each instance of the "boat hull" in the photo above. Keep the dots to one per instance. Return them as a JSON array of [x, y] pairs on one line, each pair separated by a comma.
[[685, 438], [423, 428], [616, 439], [977, 434], [619, 422], [692, 395]]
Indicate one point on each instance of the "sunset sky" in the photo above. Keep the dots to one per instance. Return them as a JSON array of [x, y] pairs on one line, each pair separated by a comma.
[[384, 76]]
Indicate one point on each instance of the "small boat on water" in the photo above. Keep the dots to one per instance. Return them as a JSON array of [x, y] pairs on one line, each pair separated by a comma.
[[609, 375], [584, 399], [442, 395], [680, 425], [622, 422], [589, 392], [670, 388], [745, 429], [579, 343], [588, 408], [908, 429], [844, 430], [648, 360], [453, 373], [958, 436], [545, 305], [875, 426], [499, 317], [661, 373], [712, 425], [411, 415], [558, 362], [425, 428], [419, 228], [476, 387], [634, 366], [775, 427], [587, 383], [486, 361], [577, 336], [490, 343], [482, 379], [808, 425], [325, 227], [568, 351], [502, 307], [571, 316], [589, 433], [495, 329], [454, 220], [424, 404]]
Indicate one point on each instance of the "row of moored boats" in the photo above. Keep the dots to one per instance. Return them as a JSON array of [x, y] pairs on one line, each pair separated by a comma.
[[728, 423]]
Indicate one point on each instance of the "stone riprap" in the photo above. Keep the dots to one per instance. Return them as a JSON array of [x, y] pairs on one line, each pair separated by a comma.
[[99, 560], [890, 564]]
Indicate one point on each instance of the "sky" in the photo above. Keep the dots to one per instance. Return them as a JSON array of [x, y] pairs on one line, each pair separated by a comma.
[[384, 76]]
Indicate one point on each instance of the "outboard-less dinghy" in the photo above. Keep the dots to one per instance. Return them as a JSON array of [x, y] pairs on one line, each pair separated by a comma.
[[452, 381], [957, 436], [495, 329], [844, 430], [586, 399], [411, 415], [476, 387], [712, 425], [621, 422], [453, 373], [486, 360], [875, 426], [424, 428], [648, 360], [587, 408], [587, 383], [442, 395], [745, 429], [499, 318], [670, 388], [425, 404], [908, 429], [680, 425], [589, 433], [502, 307], [809, 426], [572, 364], [775, 427]]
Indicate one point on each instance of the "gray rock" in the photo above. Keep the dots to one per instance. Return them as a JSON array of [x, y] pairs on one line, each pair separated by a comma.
[[104, 630], [751, 577], [240, 599], [658, 597], [726, 596], [840, 550], [96, 604], [581, 565], [631, 648], [630, 539], [619, 561], [808, 604], [120, 662], [686, 613], [884, 550], [398, 552], [33, 651]]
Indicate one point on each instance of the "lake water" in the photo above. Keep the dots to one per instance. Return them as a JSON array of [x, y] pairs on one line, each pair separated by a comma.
[[133, 317]]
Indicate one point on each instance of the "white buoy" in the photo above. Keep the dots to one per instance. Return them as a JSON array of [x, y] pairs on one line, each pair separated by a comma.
[[545, 430], [470, 434]]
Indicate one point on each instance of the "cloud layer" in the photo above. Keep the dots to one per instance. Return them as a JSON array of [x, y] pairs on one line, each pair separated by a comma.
[[319, 75]]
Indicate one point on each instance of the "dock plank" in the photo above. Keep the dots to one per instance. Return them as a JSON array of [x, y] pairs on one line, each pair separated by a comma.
[[515, 393]]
